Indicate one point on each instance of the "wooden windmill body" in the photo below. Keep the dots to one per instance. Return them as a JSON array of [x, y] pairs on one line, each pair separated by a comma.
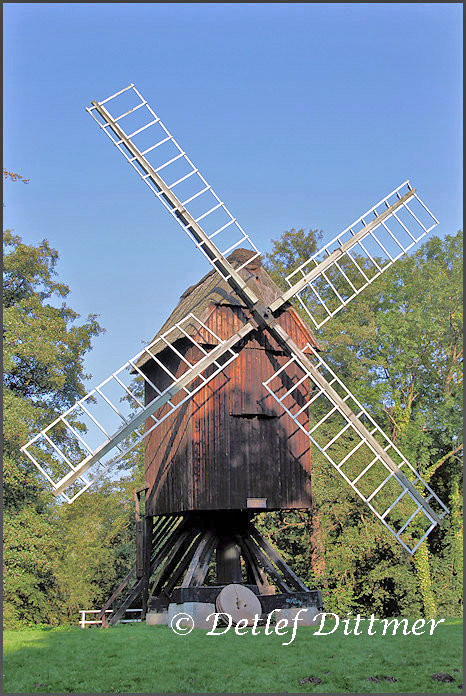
[[227, 453], [229, 447]]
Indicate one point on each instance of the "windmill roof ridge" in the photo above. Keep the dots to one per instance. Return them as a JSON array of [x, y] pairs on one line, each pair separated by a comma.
[[237, 258], [212, 290]]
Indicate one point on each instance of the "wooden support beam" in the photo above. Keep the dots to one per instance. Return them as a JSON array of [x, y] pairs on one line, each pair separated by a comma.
[[203, 566], [164, 549], [129, 599], [266, 564], [156, 559], [139, 548], [162, 529], [178, 574], [289, 574], [258, 575], [148, 526], [124, 583], [228, 561], [178, 549], [138, 587], [195, 560]]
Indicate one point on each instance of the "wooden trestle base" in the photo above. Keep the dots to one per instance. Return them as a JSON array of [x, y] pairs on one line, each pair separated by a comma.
[[175, 562]]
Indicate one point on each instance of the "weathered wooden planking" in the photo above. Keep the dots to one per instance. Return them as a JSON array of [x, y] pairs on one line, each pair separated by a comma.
[[231, 441]]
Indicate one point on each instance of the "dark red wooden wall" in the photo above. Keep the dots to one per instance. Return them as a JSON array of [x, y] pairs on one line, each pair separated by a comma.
[[231, 441]]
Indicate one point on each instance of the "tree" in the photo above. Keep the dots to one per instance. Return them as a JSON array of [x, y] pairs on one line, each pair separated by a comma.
[[398, 348], [411, 349], [96, 547], [58, 558], [44, 348]]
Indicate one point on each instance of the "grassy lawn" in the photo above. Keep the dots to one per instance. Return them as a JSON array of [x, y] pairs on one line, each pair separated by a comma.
[[138, 658]]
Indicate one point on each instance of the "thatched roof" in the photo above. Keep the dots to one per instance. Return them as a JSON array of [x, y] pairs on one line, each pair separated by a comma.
[[213, 290]]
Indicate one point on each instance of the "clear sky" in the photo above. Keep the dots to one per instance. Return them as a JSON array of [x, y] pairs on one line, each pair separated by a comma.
[[299, 115]]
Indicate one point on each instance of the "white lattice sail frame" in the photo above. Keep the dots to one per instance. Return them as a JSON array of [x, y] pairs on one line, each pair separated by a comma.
[[368, 248], [88, 426], [195, 195], [88, 444], [289, 404]]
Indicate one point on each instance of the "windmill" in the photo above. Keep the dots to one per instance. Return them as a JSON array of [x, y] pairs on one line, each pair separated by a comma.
[[228, 430]]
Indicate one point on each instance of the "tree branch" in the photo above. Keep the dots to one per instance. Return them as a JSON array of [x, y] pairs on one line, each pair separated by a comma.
[[438, 464]]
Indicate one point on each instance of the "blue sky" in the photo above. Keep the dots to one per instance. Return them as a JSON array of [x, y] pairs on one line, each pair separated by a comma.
[[299, 115]]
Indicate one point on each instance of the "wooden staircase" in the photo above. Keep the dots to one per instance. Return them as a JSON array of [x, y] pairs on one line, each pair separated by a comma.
[[135, 583]]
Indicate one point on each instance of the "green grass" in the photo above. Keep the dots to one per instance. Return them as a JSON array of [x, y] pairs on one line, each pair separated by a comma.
[[144, 659]]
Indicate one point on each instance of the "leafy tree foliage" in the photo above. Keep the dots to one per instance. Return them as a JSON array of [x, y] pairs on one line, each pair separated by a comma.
[[57, 558], [96, 547], [44, 350], [44, 347], [398, 348]]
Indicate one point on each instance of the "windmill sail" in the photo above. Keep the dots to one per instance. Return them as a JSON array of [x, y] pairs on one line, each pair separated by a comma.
[[349, 438], [336, 274], [91, 437], [99, 431], [156, 156]]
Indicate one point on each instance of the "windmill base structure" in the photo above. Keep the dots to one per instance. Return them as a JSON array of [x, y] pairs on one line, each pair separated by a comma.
[[236, 393], [179, 553]]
